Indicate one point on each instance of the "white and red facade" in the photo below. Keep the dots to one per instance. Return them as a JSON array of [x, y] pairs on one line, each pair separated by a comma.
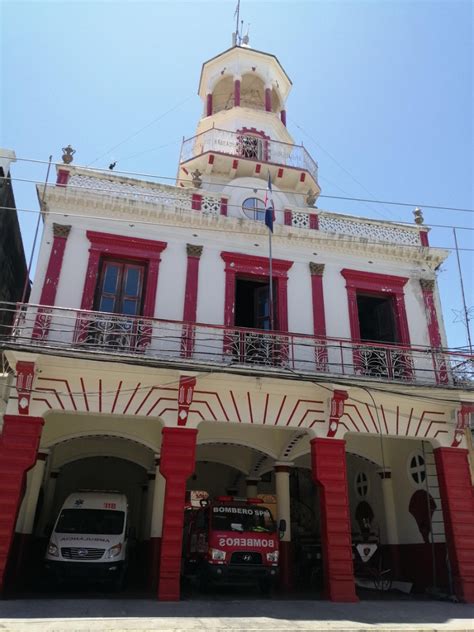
[[145, 342]]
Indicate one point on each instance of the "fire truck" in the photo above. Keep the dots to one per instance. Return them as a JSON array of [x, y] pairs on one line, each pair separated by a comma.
[[231, 540]]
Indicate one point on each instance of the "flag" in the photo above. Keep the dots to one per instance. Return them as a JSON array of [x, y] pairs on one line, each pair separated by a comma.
[[269, 208]]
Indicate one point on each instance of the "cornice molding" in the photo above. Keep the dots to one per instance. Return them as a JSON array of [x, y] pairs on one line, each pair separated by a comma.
[[84, 204]]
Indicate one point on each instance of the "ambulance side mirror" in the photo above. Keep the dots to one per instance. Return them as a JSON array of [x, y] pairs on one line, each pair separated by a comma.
[[282, 527]]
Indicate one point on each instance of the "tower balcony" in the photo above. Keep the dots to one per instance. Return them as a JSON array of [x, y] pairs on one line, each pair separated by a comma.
[[248, 153]]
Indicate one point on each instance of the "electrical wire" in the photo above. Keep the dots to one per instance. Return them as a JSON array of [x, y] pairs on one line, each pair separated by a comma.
[[235, 186]]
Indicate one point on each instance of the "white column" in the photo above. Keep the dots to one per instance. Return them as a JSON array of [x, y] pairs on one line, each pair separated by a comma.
[[158, 502], [252, 487], [391, 531], [282, 484], [47, 517], [26, 515], [146, 526]]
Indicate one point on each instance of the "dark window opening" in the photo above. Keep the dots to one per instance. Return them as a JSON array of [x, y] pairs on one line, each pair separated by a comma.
[[120, 287], [376, 319], [252, 304]]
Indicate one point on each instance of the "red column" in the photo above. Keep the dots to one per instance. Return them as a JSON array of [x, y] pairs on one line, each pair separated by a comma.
[[319, 318], [288, 216], [427, 288], [237, 92], [18, 448], [268, 99], [457, 501], [51, 280], [178, 451], [328, 457]]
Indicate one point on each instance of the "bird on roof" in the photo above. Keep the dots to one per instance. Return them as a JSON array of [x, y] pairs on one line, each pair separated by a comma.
[[112, 165]]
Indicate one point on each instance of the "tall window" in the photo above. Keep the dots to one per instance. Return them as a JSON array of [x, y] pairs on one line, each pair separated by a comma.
[[120, 287]]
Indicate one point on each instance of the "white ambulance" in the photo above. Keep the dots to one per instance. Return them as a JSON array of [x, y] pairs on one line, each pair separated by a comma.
[[90, 539]]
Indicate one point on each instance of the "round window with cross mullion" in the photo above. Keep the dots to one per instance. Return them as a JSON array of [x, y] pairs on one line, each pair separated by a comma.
[[361, 484], [254, 208], [417, 468]]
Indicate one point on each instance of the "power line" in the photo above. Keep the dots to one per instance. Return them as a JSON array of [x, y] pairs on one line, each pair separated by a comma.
[[250, 188]]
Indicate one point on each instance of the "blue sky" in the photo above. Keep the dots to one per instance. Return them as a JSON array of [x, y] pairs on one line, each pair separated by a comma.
[[382, 97]]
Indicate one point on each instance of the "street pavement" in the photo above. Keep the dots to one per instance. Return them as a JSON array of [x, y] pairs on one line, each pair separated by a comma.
[[52, 614]]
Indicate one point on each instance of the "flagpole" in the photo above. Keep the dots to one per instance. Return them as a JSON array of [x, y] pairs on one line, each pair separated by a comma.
[[270, 293]]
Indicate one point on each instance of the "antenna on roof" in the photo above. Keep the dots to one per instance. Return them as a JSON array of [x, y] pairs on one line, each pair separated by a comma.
[[236, 38]]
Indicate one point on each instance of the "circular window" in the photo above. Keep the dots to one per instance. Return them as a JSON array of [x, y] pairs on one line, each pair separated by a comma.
[[361, 484], [254, 208], [417, 468]]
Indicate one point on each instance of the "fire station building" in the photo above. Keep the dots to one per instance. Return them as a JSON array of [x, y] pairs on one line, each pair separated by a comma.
[[150, 359]]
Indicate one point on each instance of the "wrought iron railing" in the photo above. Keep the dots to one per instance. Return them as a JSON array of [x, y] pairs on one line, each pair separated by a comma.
[[245, 145], [75, 331]]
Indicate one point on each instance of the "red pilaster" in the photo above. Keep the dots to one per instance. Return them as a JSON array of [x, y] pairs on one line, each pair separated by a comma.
[[178, 451], [328, 457], [457, 501], [62, 177], [424, 238], [18, 448], [288, 217], [314, 221], [51, 280], [268, 99], [224, 205], [209, 105], [427, 288], [237, 92], [319, 318], [283, 117], [190, 297]]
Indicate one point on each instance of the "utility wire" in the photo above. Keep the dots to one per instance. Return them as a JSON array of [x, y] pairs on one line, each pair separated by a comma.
[[250, 188]]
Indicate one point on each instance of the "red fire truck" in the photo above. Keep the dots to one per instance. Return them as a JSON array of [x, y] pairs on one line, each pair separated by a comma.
[[231, 540]]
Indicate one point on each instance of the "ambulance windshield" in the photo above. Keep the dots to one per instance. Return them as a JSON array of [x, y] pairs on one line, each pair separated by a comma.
[[91, 521], [242, 519]]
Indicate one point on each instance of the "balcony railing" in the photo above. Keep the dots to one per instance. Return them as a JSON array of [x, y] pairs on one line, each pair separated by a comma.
[[100, 334], [244, 145]]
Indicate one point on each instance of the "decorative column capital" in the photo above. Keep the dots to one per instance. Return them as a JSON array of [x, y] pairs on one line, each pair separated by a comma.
[[61, 230], [193, 251], [427, 284], [316, 269]]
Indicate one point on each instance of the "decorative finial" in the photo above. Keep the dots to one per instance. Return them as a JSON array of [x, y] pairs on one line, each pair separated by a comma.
[[68, 153], [196, 176], [418, 216], [310, 198]]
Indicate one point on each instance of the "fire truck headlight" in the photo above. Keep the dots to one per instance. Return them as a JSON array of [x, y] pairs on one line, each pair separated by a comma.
[[217, 555], [272, 556], [53, 550], [113, 551]]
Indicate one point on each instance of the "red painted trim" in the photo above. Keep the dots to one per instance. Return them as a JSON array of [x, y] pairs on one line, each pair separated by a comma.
[[224, 206], [210, 160], [235, 164], [237, 92], [178, 453], [258, 167], [457, 500], [62, 177], [314, 221], [19, 444], [209, 105], [434, 333], [302, 177], [124, 247], [288, 217], [268, 99], [258, 268], [280, 173], [328, 459], [190, 297], [378, 284], [283, 117], [424, 238], [196, 200], [282, 468]]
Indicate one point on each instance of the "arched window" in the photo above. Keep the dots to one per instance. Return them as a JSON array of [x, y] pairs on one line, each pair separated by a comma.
[[254, 208]]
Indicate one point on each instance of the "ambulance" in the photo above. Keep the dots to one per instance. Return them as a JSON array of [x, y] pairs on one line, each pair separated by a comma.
[[231, 540], [90, 539]]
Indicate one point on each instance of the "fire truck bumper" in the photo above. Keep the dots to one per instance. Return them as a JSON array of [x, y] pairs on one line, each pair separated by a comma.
[[240, 573]]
